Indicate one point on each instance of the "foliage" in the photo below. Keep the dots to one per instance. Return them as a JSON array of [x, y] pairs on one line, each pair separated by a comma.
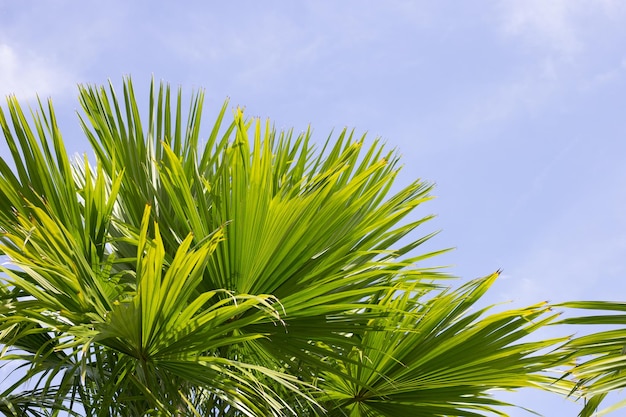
[[246, 275], [601, 355]]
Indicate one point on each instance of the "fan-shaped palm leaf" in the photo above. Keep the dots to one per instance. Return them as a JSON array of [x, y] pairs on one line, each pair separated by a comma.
[[441, 359]]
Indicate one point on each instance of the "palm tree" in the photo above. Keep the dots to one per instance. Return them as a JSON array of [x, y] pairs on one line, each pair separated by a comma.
[[248, 274]]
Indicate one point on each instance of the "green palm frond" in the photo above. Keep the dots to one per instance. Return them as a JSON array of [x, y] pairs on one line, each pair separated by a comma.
[[442, 359], [602, 355], [315, 231]]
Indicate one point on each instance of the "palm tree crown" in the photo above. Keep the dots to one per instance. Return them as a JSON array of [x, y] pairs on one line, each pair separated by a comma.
[[247, 274]]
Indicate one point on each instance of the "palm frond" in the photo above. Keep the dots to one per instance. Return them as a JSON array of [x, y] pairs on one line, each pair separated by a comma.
[[436, 357], [601, 356]]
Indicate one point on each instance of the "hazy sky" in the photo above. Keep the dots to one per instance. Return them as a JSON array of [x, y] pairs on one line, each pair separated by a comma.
[[515, 109]]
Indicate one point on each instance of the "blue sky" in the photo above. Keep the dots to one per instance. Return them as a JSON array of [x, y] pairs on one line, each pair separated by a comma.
[[515, 109]]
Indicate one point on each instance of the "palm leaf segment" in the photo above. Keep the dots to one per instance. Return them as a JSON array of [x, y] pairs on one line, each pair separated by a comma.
[[247, 275], [600, 356]]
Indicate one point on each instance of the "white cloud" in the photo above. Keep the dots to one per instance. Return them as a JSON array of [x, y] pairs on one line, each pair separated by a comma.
[[563, 28], [499, 103], [566, 272], [26, 74], [605, 76], [562, 47], [547, 24], [579, 257]]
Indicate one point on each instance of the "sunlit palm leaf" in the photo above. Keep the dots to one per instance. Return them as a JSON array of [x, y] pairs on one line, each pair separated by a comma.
[[315, 231], [441, 359], [603, 354]]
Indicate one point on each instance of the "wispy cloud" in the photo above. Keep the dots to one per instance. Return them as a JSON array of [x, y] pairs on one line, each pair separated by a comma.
[[46, 48], [26, 74], [544, 24], [562, 27], [564, 272], [563, 47], [580, 255]]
